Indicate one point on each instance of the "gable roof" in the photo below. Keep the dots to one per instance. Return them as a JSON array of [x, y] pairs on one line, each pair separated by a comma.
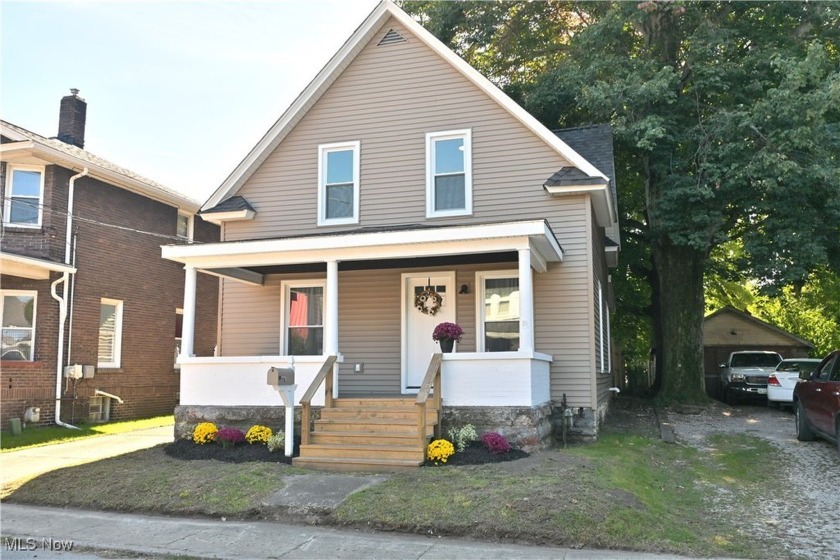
[[348, 52], [729, 310], [27, 143]]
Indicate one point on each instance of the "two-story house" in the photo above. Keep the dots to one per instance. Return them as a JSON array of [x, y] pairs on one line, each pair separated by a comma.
[[90, 313], [400, 190]]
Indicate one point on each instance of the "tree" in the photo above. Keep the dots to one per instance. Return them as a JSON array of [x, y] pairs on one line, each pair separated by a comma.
[[727, 123]]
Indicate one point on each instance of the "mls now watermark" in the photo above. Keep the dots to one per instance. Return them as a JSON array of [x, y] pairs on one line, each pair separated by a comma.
[[17, 544]]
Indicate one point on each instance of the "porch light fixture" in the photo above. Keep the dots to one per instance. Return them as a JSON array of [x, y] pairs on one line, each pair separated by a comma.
[[465, 289]]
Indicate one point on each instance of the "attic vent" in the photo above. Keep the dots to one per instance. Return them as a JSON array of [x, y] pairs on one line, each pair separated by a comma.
[[391, 38]]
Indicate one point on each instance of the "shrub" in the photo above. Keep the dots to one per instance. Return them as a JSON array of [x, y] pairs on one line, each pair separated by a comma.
[[205, 433], [462, 437], [277, 442], [495, 443], [258, 434], [439, 451], [229, 437]]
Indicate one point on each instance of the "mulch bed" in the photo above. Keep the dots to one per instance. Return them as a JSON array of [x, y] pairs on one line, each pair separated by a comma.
[[186, 450]]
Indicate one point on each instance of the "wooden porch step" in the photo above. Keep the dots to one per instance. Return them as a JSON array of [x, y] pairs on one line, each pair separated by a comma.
[[350, 437], [381, 426], [354, 465], [375, 413], [393, 403], [361, 451]]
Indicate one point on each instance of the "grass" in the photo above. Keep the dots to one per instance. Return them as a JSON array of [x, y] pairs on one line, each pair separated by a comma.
[[33, 437]]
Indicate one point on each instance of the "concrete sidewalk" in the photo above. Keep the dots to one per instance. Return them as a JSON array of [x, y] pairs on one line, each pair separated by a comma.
[[152, 535], [16, 467]]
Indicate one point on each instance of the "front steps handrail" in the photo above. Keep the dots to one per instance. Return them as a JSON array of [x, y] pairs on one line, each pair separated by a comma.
[[306, 399], [432, 379]]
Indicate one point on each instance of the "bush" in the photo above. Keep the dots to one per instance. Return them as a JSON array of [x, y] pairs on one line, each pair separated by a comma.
[[229, 437], [462, 437], [258, 434], [277, 442], [495, 443], [439, 451], [205, 433]]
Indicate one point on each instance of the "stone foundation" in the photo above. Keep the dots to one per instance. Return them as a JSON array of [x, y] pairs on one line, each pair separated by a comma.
[[586, 423], [526, 427], [242, 417]]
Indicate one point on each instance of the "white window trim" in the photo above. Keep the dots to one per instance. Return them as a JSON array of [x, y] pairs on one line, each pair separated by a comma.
[[480, 277], [34, 294], [431, 137], [601, 360], [190, 226], [7, 204], [285, 286], [609, 343], [323, 150], [118, 331], [178, 340]]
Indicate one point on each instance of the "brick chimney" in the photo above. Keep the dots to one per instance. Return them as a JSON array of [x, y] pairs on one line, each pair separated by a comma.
[[71, 119]]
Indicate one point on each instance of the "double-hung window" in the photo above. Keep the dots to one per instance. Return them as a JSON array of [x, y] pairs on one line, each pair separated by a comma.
[[338, 183], [110, 333], [17, 309], [498, 311], [24, 196], [303, 310], [448, 173], [184, 226]]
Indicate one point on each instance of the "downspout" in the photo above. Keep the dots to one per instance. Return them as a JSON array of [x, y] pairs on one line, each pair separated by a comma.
[[62, 300]]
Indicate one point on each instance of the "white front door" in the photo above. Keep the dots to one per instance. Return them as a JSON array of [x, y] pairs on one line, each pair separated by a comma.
[[417, 327]]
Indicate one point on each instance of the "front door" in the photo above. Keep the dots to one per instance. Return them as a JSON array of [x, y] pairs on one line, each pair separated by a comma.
[[417, 343]]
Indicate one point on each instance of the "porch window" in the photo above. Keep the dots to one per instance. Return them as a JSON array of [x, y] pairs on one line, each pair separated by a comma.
[[17, 309], [24, 196], [448, 173], [110, 333], [338, 183], [498, 311], [179, 329], [304, 310]]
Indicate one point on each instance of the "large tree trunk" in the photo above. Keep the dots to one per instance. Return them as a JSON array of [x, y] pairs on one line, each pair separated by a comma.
[[680, 271]]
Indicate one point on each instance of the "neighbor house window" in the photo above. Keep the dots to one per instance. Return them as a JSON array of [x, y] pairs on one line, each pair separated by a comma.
[[24, 196], [17, 309], [184, 226], [498, 311], [110, 333], [338, 183], [179, 329], [304, 318], [448, 173]]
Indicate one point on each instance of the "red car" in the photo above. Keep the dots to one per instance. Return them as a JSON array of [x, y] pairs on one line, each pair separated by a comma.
[[816, 400]]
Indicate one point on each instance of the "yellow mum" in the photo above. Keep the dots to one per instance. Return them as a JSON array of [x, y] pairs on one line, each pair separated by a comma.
[[205, 433], [258, 434], [439, 451]]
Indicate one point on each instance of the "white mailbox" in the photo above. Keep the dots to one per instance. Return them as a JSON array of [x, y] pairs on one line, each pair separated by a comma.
[[283, 381]]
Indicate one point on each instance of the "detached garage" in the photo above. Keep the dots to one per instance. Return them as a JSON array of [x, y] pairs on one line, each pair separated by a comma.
[[728, 330]]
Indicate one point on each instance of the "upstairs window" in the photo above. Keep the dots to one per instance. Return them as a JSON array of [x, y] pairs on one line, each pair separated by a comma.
[[24, 196], [17, 310], [338, 183], [184, 226], [110, 333], [448, 173]]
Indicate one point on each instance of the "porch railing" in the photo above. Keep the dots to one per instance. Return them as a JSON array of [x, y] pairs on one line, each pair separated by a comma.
[[306, 400], [432, 379]]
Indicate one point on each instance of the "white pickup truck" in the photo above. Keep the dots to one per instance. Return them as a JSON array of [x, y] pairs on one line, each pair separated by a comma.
[[745, 374]]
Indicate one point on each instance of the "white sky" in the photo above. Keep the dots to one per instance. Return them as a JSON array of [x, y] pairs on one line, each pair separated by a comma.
[[177, 91]]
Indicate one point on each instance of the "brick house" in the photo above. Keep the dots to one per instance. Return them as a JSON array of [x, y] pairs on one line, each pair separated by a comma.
[[94, 283]]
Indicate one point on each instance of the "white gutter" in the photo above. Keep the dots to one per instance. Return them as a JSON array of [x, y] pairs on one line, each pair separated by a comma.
[[62, 300]]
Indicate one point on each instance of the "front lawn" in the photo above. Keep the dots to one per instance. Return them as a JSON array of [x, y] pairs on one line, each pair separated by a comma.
[[33, 437]]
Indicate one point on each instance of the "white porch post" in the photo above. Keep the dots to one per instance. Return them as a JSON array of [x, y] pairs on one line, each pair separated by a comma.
[[188, 327], [331, 320], [526, 302]]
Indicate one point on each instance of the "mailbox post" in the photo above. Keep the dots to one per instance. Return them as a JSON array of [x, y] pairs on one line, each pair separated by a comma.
[[283, 381]]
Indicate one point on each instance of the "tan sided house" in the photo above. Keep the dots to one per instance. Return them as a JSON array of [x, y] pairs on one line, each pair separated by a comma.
[[400, 190]]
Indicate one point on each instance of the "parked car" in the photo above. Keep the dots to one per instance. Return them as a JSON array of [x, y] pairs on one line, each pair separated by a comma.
[[745, 373], [816, 401], [781, 382]]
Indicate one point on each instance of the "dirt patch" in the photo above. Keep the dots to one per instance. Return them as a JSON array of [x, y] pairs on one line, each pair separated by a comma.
[[186, 450]]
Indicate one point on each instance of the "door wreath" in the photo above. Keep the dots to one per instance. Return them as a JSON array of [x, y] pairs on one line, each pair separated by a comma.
[[428, 301]]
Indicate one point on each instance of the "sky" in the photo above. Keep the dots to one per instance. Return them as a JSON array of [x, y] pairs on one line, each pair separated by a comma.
[[178, 92]]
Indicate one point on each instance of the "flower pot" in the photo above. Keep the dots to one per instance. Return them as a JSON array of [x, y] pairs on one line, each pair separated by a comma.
[[446, 344]]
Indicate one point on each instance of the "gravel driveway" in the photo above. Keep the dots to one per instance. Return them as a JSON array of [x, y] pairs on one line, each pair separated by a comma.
[[802, 512]]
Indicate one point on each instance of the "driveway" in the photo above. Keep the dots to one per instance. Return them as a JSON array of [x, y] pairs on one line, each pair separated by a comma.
[[800, 512], [16, 467]]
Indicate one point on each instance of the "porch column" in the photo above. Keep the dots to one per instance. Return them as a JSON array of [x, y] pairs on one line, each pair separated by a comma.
[[526, 302], [188, 326], [331, 308]]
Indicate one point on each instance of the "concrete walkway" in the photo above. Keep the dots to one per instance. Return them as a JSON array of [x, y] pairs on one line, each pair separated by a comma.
[[16, 467], [50, 529]]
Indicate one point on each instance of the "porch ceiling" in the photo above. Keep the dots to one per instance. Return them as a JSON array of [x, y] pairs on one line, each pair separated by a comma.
[[249, 260]]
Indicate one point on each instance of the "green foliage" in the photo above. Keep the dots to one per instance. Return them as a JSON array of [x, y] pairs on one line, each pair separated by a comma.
[[277, 442], [463, 436]]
